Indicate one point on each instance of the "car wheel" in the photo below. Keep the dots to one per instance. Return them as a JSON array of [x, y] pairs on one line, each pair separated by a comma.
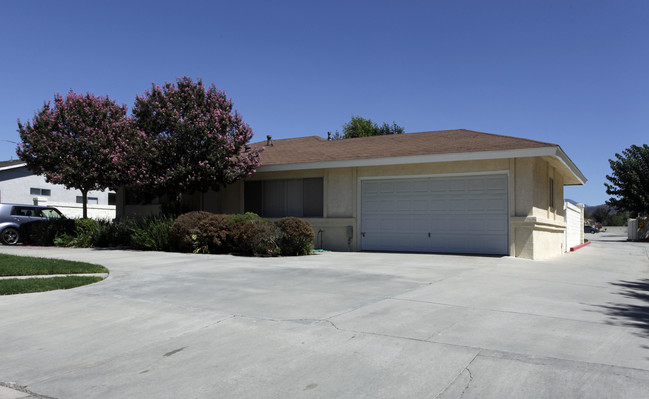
[[9, 236]]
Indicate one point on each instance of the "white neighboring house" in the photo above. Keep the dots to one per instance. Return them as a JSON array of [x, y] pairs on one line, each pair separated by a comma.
[[18, 185]]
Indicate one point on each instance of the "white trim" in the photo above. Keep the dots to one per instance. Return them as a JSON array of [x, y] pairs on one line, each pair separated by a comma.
[[553, 151], [441, 175], [18, 165], [359, 198]]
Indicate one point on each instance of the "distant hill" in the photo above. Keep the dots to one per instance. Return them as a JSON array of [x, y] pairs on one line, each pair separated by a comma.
[[589, 209]]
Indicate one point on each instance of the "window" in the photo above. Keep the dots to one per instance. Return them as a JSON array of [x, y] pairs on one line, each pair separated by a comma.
[[91, 200], [112, 199], [26, 211], [45, 192], [51, 213], [285, 197], [551, 193]]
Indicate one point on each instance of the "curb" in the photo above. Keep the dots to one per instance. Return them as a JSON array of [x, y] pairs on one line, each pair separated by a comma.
[[104, 275], [576, 247]]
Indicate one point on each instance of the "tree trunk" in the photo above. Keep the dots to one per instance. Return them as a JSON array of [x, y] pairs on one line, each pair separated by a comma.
[[84, 199]]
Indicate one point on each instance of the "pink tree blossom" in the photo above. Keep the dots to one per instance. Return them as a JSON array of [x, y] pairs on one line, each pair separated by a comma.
[[196, 141], [83, 142]]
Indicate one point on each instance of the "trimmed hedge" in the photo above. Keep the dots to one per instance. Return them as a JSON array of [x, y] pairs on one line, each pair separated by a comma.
[[181, 232], [211, 235], [296, 238], [197, 232], [255, 238], [245, 234]]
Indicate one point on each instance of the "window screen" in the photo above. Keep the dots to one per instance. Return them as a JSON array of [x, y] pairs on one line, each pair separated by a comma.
[[285, 197]]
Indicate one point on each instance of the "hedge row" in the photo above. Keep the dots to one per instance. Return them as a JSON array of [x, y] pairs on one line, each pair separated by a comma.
[[197, 232], [248, 234], [149, 234]]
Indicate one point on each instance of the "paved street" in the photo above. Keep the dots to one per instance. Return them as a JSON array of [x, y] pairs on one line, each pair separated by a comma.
[[335, 325]]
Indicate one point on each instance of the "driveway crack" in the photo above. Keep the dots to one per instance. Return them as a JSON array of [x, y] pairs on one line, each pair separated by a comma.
[[23, 389], [464, 371]]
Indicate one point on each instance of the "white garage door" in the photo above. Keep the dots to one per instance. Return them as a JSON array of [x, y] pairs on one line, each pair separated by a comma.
[[467, 214]]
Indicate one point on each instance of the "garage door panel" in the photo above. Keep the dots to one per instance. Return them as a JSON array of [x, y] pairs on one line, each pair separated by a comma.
[[495, 205], [386, 188], [387, 242], [438, 186], [450, 214], [476, 204], [458, 204], [457, 185], [496, 184], [475, 184]]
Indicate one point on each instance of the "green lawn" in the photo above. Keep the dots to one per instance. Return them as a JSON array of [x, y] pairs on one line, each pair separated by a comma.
[[23, 286], [11, 265]]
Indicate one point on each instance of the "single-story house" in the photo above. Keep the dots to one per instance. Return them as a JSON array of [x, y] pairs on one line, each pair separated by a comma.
[[18, 185], [450, 191]]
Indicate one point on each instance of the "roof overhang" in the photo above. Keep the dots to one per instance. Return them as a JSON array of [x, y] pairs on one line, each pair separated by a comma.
[[18, 165], [574, 175]]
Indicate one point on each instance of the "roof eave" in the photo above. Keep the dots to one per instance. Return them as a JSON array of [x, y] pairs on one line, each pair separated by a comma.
[[550, 151], [19, 165]]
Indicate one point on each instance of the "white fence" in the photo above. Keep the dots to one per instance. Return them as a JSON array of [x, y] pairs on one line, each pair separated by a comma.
[[574, 234], [72, 210]]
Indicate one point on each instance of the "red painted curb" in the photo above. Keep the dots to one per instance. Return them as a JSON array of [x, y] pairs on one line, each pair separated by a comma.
[[576, 247]]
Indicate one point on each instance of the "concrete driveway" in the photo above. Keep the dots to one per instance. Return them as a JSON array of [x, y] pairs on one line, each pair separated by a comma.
[[335, 325]]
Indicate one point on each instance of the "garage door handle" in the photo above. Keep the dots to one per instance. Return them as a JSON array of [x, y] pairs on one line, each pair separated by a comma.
[[363, 234], [428, 234]]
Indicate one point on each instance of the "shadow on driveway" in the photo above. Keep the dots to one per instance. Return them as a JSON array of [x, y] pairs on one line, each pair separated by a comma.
[[632, 315]]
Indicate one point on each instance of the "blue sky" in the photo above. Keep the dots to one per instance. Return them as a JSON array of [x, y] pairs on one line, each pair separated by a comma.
[[574, 73]]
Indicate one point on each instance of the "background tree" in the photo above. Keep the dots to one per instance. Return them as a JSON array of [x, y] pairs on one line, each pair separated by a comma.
[[601, 214], [84, 142], [361, 127], [629, 180], [196, 141]]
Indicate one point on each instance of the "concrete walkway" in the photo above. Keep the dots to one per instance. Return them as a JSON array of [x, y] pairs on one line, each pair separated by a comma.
[[335, 325]]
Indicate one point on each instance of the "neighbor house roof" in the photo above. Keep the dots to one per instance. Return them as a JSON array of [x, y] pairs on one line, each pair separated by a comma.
[[14, 163], [436, 146]]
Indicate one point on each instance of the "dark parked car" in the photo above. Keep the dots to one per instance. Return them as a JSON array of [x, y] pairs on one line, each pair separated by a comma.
[[12, 216], [591, 229]]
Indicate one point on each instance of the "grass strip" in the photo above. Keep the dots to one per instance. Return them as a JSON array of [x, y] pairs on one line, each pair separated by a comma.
[[11, 265], [23, 286]]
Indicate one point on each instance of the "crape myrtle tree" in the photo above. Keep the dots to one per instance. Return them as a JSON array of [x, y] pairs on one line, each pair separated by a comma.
[[629, 180], [83, 142], [196, 141]]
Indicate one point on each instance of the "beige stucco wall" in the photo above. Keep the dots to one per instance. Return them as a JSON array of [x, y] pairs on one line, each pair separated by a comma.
[[536, 231]]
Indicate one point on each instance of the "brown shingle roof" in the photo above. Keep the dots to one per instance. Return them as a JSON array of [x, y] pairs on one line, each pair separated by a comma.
[[317, 149]]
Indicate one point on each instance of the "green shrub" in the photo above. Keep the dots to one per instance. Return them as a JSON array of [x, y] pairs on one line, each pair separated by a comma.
[[183, 232], [82, 236], [112, 234], [245, 218], [211, 235], [296, 236], [152, 233], [258, 238], [44, 232]]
